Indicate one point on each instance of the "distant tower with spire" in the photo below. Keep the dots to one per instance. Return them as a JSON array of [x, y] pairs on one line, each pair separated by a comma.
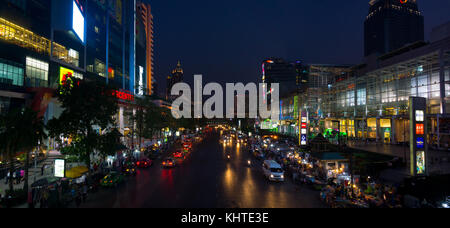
[[175, 77]]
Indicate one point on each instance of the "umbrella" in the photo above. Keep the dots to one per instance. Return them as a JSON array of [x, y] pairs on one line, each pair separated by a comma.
[[44, 182], [76, 172]]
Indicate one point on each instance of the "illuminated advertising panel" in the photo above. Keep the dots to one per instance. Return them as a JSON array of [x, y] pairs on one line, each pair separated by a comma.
[[420, 142], [420, 162], [141, 81], [59, 168], [64, 74], [303, 127], [418, 136], [303, 140], [420, 129], [419, 116], [78, 22]]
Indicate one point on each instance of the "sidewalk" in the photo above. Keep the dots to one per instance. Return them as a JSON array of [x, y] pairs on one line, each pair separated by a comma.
[[34, 175], [439, 161]]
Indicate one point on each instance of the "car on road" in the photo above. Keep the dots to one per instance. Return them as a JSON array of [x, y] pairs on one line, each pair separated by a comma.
[[169, 163], [187, 145], [178, 155], [144, 163], [273, 171], [129, 169], [111, 180]]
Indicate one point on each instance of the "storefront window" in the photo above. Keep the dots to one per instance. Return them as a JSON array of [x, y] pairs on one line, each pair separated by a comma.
[[372, 127]]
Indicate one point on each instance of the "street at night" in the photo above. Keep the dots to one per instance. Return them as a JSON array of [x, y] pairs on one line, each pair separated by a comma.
[[224, 112], [207, 179]]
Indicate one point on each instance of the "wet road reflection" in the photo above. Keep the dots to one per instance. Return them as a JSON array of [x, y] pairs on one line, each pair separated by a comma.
[[207, 179]]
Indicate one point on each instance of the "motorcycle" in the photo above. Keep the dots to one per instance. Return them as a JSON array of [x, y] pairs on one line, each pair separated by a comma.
[[249, 162]]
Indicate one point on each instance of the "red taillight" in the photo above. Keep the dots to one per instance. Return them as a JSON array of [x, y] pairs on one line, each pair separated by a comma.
[[138, 163]]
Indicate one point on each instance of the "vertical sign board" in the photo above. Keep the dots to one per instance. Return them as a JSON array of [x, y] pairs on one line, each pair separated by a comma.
[[303, 136], [418, 136], [59, 168]]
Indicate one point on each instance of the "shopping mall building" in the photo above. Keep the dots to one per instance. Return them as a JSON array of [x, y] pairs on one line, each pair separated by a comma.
[[43, 41], [370, 101]]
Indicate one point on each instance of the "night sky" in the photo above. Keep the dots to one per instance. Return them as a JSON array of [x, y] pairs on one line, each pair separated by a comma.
[[226, 41]]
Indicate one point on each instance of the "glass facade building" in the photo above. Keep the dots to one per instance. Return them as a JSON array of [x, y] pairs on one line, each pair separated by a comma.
[[370, 101]]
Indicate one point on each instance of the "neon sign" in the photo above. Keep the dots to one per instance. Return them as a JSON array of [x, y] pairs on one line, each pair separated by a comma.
[[123, 95]]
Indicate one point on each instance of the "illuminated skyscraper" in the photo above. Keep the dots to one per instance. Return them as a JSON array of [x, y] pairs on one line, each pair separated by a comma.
[[174, 78], [147, 18], [392, 24]]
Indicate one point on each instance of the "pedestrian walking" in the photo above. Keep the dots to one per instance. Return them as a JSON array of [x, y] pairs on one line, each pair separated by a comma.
[[8, 176], [13, 177], [42, 170], [18, 177]]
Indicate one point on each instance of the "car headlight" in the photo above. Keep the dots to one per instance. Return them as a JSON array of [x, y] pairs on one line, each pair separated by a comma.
[[282, 176], [271, 176]]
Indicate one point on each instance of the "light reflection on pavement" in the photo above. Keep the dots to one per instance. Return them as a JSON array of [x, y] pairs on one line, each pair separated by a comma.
[[206, 179]]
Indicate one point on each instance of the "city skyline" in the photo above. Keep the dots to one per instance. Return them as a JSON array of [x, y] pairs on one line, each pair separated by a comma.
[[259, 104], [178, 32]]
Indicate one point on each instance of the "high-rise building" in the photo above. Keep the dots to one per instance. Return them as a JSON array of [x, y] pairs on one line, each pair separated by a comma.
[[392, 24], [174, 78], [286, 74], [147, 18], [43, 41]]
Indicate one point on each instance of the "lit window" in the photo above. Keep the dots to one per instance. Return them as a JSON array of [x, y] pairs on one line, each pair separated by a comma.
[[36, 73]]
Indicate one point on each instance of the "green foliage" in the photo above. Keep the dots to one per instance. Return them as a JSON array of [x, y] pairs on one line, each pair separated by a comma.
[[20, 131], [86, 104]]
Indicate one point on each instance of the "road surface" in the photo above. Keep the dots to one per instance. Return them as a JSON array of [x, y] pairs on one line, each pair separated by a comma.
[[206, 179]]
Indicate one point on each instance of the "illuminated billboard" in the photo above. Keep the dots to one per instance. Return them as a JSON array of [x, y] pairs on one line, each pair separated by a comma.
[[420, 129], [78, 22], [59, 169], [64, 74], [420, 115], [420, 162], [420, 142]]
